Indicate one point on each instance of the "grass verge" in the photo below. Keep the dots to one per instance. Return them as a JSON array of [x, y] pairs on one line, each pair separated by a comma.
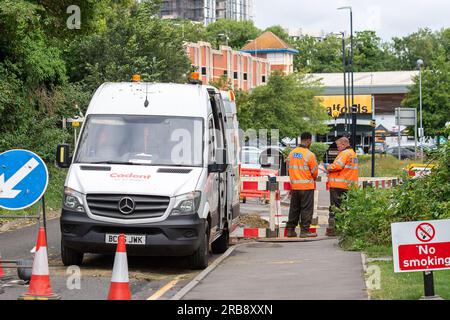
[[385, 166], [378, 251], [407, 286]]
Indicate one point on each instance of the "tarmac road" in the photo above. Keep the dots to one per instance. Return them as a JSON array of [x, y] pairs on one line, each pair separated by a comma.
[[150, 277]]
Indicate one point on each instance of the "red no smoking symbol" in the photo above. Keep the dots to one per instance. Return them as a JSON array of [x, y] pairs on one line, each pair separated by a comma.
[[425, 232]]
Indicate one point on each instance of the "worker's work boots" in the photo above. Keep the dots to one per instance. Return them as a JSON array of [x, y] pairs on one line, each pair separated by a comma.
[[291, 233], [307, 234], [330, 232]]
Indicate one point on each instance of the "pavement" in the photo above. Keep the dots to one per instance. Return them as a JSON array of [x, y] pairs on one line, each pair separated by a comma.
[[317, 270]]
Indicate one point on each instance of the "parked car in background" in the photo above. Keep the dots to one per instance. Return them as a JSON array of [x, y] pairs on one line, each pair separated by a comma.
[[250, 158], [359, 151], [405, 152], [380, 147]]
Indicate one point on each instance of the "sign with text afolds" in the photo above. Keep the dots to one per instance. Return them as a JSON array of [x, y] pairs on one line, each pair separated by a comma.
[[23, 179], [421, 245]]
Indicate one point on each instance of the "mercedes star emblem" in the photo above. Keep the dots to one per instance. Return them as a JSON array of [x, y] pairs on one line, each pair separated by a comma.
[[126, 205]]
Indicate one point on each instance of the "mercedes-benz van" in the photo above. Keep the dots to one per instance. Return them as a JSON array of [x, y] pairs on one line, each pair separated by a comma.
[[151, 161]]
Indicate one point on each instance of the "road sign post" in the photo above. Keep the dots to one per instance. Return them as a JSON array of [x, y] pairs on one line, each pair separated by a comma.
[[406, 117], [422, 246], [428, 281]]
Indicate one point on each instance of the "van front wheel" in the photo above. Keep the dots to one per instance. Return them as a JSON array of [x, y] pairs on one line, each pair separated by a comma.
[[199, 260], [71, 257]]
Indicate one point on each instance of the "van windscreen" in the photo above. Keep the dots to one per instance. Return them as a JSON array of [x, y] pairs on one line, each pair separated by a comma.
[[144, 140]]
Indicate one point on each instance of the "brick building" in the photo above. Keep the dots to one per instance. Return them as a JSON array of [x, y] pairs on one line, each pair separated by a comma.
[[247, 68], [242, 69], [279, 54]]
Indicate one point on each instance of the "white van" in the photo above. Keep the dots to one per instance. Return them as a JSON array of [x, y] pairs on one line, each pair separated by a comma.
[[150, 162]]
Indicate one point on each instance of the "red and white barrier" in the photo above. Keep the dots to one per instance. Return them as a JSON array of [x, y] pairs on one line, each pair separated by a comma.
[[260, 184]]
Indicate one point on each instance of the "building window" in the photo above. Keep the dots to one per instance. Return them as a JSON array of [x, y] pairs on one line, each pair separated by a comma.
[[225, 72], [245, 76], [263, 79], [204, 71], [235, 75]]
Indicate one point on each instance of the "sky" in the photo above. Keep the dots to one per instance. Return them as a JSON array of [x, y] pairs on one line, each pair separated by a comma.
[[389, 18]]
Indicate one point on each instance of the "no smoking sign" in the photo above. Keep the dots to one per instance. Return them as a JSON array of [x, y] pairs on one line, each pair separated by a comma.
[[425, 232], [421, 245]]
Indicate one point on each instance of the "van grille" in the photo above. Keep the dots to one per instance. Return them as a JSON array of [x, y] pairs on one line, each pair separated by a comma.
[[107, 205]]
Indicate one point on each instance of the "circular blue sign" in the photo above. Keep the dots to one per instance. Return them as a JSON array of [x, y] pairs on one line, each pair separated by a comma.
[[23, 179]]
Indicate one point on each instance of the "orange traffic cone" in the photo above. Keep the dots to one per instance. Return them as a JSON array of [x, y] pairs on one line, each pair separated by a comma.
[[40, 288], [2, 273], [120, 289]]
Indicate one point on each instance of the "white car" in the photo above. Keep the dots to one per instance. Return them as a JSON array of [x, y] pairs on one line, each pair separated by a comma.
[[250, 157]]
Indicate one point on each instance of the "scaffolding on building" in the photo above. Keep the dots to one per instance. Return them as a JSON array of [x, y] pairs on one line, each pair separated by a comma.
[[207, 11]]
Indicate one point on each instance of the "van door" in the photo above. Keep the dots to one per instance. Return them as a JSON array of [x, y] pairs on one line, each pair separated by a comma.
[[222, 143], [213, 181], [218, 116]]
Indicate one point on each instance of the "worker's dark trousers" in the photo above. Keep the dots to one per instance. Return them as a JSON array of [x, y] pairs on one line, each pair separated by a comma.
[[302, 205], [336, 196]]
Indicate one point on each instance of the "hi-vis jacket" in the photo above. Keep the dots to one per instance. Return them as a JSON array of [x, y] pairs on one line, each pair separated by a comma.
[[303, 169], [344, 170]]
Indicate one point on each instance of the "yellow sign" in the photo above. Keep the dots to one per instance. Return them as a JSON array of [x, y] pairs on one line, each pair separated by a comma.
[[336, 103]]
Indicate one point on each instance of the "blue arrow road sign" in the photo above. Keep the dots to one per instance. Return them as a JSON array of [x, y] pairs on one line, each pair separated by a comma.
[[23, 179]]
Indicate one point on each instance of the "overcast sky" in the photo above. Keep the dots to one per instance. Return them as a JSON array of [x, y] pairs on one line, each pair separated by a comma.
[[388, 17]]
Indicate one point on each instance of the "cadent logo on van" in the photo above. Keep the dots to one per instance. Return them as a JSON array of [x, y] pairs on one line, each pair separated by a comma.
[[129, 176]]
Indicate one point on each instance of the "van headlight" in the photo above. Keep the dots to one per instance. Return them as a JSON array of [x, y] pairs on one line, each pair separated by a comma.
[[186, 204], [73, 200]]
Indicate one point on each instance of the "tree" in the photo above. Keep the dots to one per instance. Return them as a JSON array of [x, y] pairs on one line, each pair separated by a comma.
[[189, 31], [436, 96], [135, 41], [318, 56], [424, 44], [286, 103], [370, 54], [238, 32], [223, 83]]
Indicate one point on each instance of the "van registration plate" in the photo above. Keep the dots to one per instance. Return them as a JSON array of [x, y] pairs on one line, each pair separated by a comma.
[[129, 239]]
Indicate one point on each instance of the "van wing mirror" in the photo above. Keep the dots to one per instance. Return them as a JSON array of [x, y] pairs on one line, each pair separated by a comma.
[[63, 158], [217, 168], [221, 164]]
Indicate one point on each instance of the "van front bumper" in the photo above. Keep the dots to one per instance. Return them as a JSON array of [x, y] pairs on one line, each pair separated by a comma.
[[175, 236]]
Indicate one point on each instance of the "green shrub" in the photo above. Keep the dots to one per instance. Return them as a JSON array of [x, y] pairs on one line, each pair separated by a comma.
[[365, 216], [319, 149]]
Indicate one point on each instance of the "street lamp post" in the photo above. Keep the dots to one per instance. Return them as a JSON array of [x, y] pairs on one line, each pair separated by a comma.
[[354, 118], [344, 62], [225, 36], [421, 131]]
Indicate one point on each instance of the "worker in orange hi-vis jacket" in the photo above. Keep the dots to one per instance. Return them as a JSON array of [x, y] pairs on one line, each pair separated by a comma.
[[342, 174], [303, 171]]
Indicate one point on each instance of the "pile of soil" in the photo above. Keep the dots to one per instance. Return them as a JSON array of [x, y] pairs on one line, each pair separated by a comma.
[[252, 221]]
